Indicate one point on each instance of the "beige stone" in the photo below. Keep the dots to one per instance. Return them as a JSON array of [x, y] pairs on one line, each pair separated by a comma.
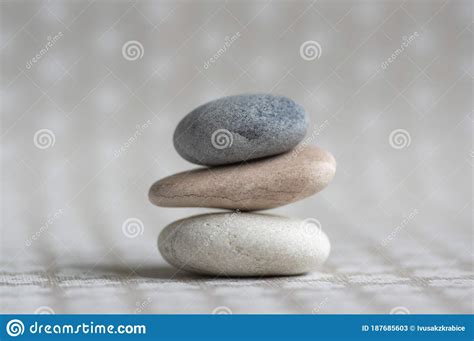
[[256, 185]]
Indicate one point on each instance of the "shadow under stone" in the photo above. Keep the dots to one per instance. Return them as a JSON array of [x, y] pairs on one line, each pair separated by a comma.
[[162, 272]]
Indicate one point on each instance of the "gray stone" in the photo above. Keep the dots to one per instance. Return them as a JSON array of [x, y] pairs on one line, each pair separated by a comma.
[[239, 128], [244, 244]]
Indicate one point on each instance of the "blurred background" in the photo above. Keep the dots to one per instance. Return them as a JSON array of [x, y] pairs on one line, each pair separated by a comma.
[[91, 94]]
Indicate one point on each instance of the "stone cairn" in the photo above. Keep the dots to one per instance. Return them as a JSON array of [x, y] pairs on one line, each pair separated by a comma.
[[255, 159]]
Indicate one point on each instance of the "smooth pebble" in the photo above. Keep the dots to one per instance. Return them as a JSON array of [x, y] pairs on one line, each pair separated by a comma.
[[244, 244], [240, 128], [257, 185]]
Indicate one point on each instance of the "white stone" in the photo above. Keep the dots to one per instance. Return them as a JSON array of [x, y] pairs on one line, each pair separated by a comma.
[[244, 244]]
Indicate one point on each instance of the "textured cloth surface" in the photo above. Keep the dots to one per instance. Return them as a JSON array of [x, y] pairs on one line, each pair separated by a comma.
[[87, 126]]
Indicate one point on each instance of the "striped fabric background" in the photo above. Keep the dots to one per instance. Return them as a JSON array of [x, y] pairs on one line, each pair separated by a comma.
[[92, 91]]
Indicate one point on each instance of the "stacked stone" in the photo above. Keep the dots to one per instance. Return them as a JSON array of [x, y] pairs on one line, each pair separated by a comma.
[[251, 147]]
